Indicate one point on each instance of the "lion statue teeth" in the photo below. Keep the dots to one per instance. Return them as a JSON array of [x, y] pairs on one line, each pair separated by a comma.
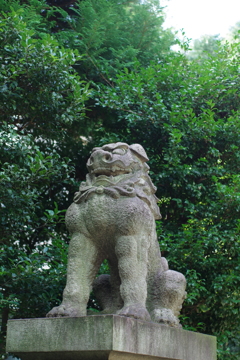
[[113, 217]]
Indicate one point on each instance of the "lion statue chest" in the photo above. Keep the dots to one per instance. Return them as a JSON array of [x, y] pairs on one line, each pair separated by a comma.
[[102, 217]]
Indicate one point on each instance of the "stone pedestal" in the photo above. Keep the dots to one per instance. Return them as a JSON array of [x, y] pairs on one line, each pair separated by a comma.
[[105, 337]]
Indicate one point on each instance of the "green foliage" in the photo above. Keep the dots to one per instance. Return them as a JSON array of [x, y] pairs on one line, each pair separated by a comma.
[[39, 88], [26, 178], [234, 34], [111, 34], [32, 282], [207, 45]]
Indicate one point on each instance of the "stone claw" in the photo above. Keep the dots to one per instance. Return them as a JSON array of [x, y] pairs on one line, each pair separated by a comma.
[[135, 311], [166, 317], [64, 311]]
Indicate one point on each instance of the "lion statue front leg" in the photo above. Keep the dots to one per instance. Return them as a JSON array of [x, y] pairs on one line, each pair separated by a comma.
[[131, 252], [83, 265], [129, 272]]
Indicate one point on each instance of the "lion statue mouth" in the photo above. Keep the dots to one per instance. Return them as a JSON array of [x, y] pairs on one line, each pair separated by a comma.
[[110, 172]]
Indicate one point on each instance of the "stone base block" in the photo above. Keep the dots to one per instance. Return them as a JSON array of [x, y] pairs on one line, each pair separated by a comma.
[[105, 337]]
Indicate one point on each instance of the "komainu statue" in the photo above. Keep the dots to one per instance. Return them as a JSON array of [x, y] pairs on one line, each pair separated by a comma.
[[113, 217]]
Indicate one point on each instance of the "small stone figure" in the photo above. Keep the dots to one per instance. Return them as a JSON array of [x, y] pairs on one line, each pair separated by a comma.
[[113, 217]]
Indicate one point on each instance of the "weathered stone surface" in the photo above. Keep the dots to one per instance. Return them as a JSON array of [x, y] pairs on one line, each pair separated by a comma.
[[105, 337], [113, 217]]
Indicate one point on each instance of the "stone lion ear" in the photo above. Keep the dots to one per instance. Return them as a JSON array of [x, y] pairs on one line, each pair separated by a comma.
[[94, 149], [139, 150]]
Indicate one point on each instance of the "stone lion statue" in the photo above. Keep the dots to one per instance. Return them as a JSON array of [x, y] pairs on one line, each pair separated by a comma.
[[113, 217]]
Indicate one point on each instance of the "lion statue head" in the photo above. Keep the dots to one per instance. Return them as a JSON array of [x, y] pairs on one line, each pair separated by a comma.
[[119, 169]]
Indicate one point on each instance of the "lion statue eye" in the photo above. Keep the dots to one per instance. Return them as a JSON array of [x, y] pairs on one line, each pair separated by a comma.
[[119, 151]]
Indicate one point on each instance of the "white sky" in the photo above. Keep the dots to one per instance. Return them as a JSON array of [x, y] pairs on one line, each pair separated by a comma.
[[201, 17]]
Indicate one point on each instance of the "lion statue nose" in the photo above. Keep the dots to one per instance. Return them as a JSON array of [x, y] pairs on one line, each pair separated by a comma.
[[97, 158]]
